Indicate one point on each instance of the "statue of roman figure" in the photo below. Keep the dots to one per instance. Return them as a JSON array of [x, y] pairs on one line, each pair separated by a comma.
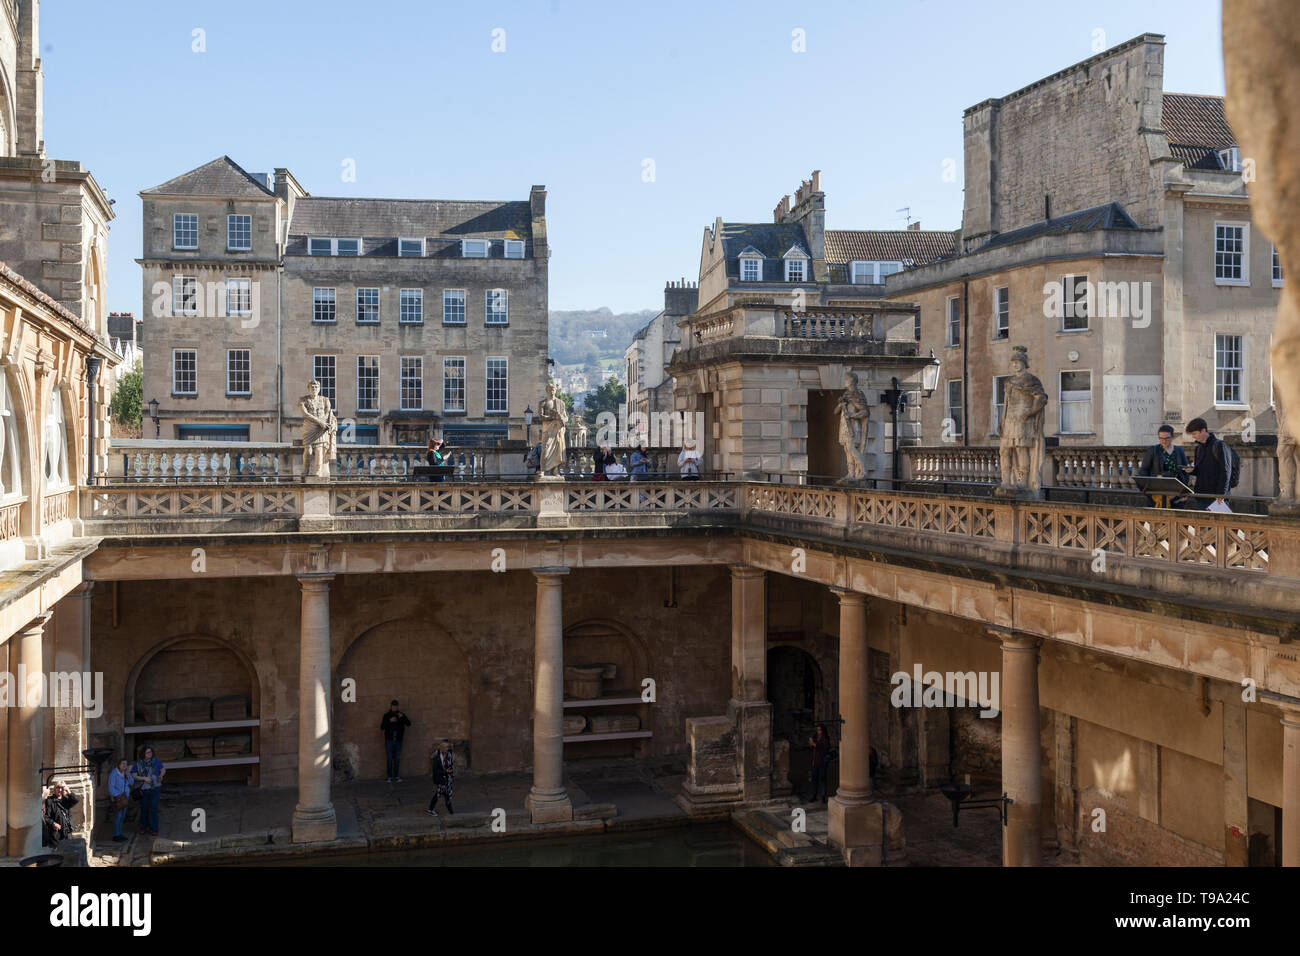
[[855, 416], [318, 432], [1020, 450], [555, 417]]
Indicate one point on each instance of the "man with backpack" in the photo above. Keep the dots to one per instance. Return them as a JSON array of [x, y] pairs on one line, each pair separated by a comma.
[[1216, 466]]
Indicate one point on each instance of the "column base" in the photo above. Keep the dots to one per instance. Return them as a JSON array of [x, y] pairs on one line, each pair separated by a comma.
[[868, 834], [317, 825], [549, 808], [709, 801]]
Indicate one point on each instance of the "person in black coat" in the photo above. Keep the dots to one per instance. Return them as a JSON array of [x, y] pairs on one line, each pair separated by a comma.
[[56, 815], [1210, 465], [394, 724], [604, 457], [444, 776], [1165, 460]]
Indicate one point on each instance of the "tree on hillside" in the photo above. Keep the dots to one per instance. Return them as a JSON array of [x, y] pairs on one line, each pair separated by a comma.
[[128, 397], [607, 398]]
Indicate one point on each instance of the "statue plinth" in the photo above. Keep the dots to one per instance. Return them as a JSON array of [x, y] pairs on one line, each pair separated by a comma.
[[1018, 494], [1284, 509]]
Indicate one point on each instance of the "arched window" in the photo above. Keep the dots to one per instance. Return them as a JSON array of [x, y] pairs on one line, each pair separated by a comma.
[[56, 443], [11, 472]]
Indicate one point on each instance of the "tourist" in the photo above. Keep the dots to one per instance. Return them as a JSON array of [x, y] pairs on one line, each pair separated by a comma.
[[1164, 460], [394, 724], [119, 791], [148, 774], [689, 460], [604, 457], [820, 742], [1210, 467], [640, 461], [56, 820], [444, 776]]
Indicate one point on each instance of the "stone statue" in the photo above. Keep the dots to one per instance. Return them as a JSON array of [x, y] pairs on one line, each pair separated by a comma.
[[855, 416], [1020, 451], [555, 417], [1288, 459], [318, 432]]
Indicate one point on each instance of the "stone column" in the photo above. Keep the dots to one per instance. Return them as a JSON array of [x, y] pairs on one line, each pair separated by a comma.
[[749, 707], [71, 635], [25, 742], [855, 821], [547, 802], [1291, 788], [1022, 758], [314, 819]]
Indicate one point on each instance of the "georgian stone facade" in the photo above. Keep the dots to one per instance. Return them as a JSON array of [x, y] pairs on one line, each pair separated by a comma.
[[417, 316]]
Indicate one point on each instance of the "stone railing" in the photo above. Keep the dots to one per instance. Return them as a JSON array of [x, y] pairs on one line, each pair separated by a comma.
[[10, 519], [828, 324], [55, 507], [721, 327], [952, 463]]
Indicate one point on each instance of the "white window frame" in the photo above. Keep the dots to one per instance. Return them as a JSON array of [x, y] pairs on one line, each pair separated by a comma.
[[464, 300], [246, 371], [1062, 402], [330, 390], [1245, 251], [952, 322], [239, 292], [334, 245], [1001, 328], [1070, 303], [410, 255], [178, 294], [790, 266], [317, 301], [465, 245], [230, 221], [997, 408], [1230, 159], [504, 408], [488, 296], [360, 391], [450, 362], [949, 409], [176, 217], [1275, 270], [404, 308], [1240, 370], [195, 371], [55, 467], [757, 262], [377, 304], [514, 249], [406, 364]]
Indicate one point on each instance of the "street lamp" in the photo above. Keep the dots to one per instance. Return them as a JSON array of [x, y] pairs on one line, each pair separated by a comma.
[[896, 399], [930, 375], [528, 425], [153, 413]]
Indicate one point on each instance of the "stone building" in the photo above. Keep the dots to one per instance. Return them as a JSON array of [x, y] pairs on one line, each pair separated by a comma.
[[786, 309], [649, 387], [1107, 229], [416, 316]]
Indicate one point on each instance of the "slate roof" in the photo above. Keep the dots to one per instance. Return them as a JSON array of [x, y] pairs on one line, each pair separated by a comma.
[[380, 221], [1109, 216], [1196, 128], [221, 177], [772, 239]]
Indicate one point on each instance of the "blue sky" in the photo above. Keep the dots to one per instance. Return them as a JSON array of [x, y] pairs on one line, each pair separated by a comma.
[[583, 94]]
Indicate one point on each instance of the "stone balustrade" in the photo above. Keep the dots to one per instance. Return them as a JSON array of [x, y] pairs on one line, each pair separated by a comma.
[[828, 324], [952, 463]]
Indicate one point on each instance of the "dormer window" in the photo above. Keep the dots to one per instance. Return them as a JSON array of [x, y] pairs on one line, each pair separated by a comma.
[[411, 247], [872, 272], [320, 246], [474, 248], [751, 268], [1230, 159]]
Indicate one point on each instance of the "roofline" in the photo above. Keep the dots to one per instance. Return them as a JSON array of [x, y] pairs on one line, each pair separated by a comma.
[[246, 174], [485, 202], [1158, 38]]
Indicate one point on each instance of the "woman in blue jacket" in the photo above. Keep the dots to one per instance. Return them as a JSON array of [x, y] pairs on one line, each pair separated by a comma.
[[119, 794]]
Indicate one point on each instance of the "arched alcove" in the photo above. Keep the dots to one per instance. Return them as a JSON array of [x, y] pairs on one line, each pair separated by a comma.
[[796, 691], [603, 641], [193, 666], [415, 662]]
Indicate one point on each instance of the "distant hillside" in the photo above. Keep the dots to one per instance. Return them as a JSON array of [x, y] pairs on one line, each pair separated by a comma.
[[574, 338]]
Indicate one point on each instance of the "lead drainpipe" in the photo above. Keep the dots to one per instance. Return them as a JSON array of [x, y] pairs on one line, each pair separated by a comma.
[[965, 355], [92, 372]]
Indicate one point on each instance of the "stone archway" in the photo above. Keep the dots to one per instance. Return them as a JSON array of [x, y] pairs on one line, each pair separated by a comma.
[[794, 683], [415, 662]]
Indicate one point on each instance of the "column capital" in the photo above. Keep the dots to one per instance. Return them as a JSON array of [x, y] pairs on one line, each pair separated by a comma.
[[1013, 640], [37, 624], [746, 571], [848, 596], [556, 571], [1291, 718], [316, 580]]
